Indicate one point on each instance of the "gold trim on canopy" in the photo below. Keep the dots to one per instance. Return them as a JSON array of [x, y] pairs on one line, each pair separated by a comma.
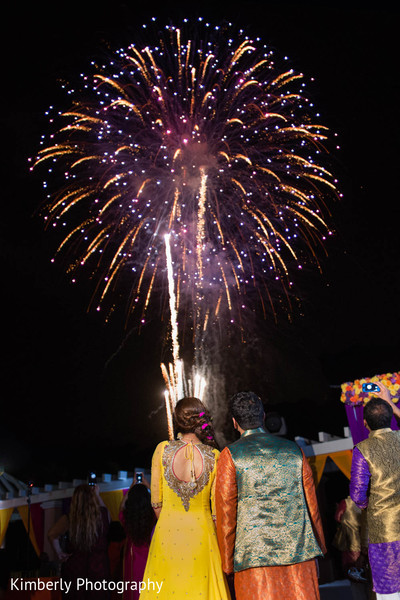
[[23, 511], [342, 460], [5, 516]]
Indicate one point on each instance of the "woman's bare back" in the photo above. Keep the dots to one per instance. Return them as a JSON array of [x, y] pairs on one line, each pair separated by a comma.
[[188, 462]]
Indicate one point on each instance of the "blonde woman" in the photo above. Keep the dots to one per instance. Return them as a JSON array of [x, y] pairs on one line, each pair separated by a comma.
[[85, 553]]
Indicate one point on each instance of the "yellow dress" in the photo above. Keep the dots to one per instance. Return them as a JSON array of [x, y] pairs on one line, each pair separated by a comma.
[[184, 555]]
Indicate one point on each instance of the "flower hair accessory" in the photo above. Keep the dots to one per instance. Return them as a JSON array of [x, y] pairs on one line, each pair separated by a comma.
[[202, 414]]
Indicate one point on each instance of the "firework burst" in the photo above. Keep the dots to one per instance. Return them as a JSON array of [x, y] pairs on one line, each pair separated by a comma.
[[203, 138]]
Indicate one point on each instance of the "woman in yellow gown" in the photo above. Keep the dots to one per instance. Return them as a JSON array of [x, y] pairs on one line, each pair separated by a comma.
[[184, 560]]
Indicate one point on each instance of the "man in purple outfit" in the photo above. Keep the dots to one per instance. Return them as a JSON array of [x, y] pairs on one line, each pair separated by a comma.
[[375, 485]]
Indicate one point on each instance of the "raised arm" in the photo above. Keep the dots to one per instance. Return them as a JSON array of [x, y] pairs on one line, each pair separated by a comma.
[[385, 395], [125, 497]]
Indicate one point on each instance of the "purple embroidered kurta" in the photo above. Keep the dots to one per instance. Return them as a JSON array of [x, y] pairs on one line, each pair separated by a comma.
[[384, 558]]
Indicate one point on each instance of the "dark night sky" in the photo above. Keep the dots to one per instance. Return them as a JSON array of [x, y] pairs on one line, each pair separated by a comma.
[[78, 393]]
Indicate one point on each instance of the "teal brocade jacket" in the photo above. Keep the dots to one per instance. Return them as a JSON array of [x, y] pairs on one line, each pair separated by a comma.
[[273, 525]]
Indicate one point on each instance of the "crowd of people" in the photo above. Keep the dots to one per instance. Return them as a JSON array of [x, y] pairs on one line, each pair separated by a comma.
[[237, 524]]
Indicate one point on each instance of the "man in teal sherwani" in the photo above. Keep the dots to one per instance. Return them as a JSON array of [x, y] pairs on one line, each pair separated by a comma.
[[268, 523]]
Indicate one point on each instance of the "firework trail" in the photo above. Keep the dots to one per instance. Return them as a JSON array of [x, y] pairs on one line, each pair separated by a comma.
[[203, 138], [174, 316], [177, 382]]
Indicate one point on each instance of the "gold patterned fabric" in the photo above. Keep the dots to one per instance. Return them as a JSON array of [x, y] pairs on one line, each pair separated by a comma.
[[291, 582], [381, 450], [187, 489], [350, 535], [272, 516]]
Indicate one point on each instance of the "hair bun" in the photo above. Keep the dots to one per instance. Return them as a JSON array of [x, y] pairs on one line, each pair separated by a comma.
[[191, 416]]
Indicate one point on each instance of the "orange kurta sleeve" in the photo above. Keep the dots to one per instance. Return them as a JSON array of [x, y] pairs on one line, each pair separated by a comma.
[[226, 507], [312, 504]]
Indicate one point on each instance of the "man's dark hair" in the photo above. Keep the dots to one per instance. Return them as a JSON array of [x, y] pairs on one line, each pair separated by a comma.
[[378, 414], [247, 410]]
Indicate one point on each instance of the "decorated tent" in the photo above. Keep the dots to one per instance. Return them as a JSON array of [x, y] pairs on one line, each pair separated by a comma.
[[10, 487], [354, 400], [339, 450], [39, 508]]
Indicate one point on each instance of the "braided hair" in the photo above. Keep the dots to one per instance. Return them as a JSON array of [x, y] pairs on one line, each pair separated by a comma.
[[191, 416]]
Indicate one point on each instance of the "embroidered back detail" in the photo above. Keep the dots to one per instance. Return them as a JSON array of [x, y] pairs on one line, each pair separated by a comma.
[[186, 489]]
